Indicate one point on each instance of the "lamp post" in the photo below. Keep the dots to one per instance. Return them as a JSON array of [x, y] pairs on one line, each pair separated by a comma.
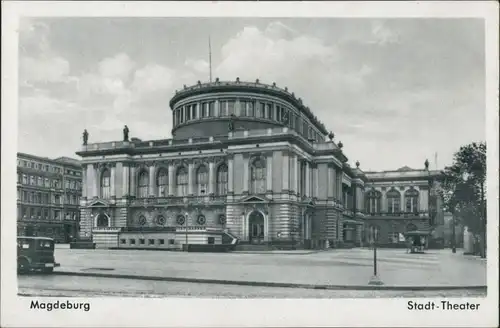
[[375, 279], [186, 229]]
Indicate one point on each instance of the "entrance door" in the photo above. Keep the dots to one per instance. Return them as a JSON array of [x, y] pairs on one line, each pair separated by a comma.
[[256, 228]]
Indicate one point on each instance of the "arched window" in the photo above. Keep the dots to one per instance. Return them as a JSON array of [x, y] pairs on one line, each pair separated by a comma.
[[142, 186], [202, 180], [222, 180], [411, 200], [162, 183], [105, 184], [373, 201], [182, 182], [102, 220], [258, 177], [393, 201]]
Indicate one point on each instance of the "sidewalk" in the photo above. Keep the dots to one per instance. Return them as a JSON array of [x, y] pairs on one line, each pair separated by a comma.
[[335, 269]]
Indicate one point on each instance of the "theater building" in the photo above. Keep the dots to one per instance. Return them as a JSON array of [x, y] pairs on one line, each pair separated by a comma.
[[48, 196], [248, 162], [400, 201]]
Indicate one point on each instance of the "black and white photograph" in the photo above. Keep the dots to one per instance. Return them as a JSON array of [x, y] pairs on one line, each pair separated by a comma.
[[163, 162]]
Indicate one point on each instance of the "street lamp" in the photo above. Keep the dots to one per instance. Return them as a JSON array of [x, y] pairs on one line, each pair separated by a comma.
[[186, 228], [375, 279]]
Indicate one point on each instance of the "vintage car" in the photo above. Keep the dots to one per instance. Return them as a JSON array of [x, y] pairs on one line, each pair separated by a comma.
[[35, 253]]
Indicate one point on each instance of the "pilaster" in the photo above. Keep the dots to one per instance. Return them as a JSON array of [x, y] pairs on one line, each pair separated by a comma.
[[171, 179], [190, 178], [269, 173], [133, 179], [246, 168], [285, 171], [152, 184], [112, 179], [211, 178]]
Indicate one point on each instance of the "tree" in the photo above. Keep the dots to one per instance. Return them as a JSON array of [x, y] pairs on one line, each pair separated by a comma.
[[463, 188]]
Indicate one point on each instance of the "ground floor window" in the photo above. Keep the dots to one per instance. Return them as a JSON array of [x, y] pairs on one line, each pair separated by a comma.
[[211, 240], [123, 241]]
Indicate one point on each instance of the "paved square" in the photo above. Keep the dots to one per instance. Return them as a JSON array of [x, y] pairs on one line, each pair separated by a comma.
[[334, 267]]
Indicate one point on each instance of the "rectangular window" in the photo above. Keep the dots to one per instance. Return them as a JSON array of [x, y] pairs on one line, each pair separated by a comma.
[[161, 241], [188, 113], [142, 241], [123, 241], [25, 179], [204, 110], [270, 111], [230, 107], [211, 109], [151, 241], [132, 241], [211, 240], [195, 111], [171, 241], [46, 214], [223, 108]]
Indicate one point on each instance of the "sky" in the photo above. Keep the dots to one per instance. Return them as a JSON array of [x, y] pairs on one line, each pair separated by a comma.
[[394, 91]]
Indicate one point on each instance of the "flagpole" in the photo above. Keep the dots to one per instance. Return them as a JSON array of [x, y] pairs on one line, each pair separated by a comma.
[[210, 57]]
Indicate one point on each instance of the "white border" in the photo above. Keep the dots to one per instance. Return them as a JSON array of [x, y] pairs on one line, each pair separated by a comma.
[[198, 312]]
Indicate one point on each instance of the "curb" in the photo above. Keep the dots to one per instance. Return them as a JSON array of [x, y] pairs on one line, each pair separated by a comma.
[[271, 284]]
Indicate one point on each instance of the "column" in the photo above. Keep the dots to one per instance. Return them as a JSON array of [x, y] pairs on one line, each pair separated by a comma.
[[171, 179], [112, 180], [84, 182], [296, 175], [133, 180], [316, 181], [198, 110], [425, 199], [217, 108], [269, 173], [212, 178], [402, 206], [383, 206], [190, 178], [95, 181], [151, 179], [308, 181], [125, 180], [331, 184], [339, 174], [230, 171], [245, 173], [237, 107], [285, 171]]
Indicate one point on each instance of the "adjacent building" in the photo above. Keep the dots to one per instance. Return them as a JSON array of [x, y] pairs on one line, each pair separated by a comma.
[[248, 161], [48, 196], [400, 201]]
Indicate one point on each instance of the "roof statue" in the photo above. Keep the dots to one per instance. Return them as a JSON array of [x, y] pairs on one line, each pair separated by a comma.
[[85, 137], [125, 133]]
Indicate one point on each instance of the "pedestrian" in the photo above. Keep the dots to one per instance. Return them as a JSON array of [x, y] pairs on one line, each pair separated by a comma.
[[409, 243]]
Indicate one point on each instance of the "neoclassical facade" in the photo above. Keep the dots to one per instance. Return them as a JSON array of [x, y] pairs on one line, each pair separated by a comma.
[[248, 161], [402, 200]]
